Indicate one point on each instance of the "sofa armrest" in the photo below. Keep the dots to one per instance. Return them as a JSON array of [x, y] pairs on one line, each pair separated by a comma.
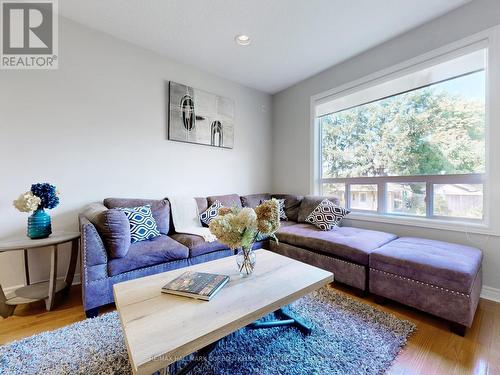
[[94, 258]]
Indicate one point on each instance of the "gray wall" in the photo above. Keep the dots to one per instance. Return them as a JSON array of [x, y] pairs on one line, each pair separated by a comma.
[[291, 111], [96, 128]]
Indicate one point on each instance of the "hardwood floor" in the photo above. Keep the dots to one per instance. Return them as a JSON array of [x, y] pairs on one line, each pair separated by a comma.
[[433, 349]]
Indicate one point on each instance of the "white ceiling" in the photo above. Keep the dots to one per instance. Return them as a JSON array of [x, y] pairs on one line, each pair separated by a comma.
[[291, 39]]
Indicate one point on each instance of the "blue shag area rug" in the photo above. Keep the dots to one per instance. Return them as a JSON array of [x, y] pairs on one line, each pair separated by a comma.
[[349, 337]]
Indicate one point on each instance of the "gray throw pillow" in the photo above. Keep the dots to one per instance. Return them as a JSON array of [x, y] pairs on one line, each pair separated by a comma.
[[114, 229]]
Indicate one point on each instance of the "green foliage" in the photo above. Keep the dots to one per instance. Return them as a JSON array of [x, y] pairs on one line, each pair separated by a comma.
[[415, 133]]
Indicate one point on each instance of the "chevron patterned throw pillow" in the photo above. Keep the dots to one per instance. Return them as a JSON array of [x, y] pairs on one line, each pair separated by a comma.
[[211, 212], [142, 223], [327, 215], [282, 209]]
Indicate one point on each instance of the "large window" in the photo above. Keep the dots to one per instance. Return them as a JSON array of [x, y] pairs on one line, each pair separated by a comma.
[[413, 145]]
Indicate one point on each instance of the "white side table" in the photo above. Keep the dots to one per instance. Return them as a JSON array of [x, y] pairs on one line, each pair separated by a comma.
[[44, 290]]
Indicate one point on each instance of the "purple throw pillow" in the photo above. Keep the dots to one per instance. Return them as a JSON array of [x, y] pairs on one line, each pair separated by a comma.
[[115, 231]]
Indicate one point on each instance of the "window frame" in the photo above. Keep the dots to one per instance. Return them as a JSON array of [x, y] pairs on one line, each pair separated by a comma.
[[488, 40], [429, 180]]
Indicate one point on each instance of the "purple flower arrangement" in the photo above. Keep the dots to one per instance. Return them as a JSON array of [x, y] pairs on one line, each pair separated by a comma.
[[47, 193]]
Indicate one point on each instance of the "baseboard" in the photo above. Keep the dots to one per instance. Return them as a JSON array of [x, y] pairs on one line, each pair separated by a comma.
[[490, 293], [9, 291]]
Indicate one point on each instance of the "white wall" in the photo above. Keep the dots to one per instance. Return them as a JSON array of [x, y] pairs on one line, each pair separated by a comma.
[[96, 128], [291, 111]]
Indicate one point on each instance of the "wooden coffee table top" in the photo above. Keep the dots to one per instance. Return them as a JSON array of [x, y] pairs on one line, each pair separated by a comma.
[[161, 328]]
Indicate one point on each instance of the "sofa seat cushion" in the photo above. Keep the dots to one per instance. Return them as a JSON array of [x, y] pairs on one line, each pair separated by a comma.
[[197, 245], [147, 253], [287, 223], [352, 244], [443, 264]]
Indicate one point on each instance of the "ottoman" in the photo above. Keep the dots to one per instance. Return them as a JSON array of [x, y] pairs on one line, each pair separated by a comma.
[[440, 278]]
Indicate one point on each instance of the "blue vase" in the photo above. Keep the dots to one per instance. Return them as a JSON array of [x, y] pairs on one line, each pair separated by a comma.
[[39, 225]]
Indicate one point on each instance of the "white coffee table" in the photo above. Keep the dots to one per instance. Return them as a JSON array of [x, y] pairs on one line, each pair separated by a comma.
[[159, 328]]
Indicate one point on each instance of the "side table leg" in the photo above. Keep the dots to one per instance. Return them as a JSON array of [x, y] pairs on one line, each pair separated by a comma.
[[5, 310], [49, 302], [26, 267], [70, 274]]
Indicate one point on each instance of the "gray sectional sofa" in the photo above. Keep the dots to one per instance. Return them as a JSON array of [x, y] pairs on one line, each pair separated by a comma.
[[437, 277]]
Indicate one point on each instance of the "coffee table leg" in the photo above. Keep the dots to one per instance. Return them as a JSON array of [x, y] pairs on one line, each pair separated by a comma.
[[5, 310], [49, 302], [285, 318]]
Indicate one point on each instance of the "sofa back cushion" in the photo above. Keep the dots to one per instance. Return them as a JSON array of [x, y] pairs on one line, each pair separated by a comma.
[[309, 203], [292, 205], [114, 229], [253, 200], [202, 204], [228, 200], [160, 209]]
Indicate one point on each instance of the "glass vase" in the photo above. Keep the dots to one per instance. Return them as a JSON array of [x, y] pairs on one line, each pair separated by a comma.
[[39, 225], [245, 259]]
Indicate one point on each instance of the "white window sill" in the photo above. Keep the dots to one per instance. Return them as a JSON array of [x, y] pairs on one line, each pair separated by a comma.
[[458, 226]]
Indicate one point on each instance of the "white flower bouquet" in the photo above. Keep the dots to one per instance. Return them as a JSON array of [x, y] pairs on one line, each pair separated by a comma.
[[239, 228]]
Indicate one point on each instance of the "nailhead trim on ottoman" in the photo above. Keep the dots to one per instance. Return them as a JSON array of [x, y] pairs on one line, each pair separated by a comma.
[[419, 282]]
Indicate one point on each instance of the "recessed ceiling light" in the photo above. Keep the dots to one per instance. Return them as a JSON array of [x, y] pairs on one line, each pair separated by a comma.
[[242, 40]]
